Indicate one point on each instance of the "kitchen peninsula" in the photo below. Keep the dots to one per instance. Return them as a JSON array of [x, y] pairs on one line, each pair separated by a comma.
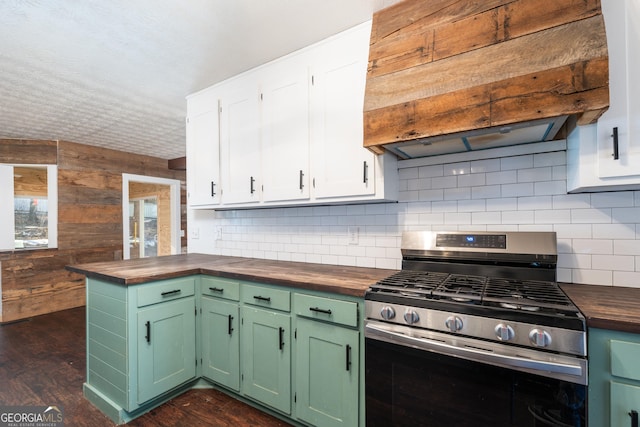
[[284, 336]]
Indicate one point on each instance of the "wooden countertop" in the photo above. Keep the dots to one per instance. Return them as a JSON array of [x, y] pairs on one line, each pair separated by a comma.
[[344, 280], [607, 307], [604, 307]]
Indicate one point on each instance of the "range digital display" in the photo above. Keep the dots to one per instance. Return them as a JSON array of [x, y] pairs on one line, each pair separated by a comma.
[[488, 241]]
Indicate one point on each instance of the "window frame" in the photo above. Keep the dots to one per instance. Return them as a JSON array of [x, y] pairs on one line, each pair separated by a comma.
[[7, 214]]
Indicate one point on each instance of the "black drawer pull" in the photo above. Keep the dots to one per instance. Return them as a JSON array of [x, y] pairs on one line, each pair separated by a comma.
[[301, 177], [320, 310], [634, 418], [365, 176], [261, 298], [173, 292], [251, 181], [213, 189], [280, 338], [348, 357], [216, 290], [148, 326], [616, 151], [230, 324]]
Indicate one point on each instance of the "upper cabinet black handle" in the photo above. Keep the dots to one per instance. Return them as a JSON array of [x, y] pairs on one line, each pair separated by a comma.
[[148, 326], [320, 310], [213, 189], [280, 338], [221, 290], [230, 324], [301, 176], [616, 152], [634, 418], [251, 181], [348, 357], [261, 298], [365, 177], [173, 292]]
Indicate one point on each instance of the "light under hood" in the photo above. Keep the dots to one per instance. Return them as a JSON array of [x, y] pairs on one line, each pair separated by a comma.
[[480, 139], [449, 76]]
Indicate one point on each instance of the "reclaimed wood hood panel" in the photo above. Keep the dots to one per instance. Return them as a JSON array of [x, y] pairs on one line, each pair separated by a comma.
[[444, 66]]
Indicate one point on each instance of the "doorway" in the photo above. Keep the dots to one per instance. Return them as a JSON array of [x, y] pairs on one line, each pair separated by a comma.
[[151, 216]]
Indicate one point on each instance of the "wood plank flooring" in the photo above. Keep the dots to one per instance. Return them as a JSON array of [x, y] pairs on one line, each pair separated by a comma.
[[42, 362]]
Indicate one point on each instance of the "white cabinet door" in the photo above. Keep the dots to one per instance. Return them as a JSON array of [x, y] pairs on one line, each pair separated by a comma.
[[342, 167], [285, 130], [203, 159], [622, 19], [240, 140]]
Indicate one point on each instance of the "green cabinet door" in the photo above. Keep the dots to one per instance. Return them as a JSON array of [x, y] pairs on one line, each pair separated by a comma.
[[327, 374], [266, 357], [166, 347], [221, 342], [624, 399]]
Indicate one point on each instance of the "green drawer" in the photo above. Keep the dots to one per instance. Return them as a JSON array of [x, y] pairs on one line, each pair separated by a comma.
[[327, 309], [624, 359], [165, 290], [624, 399], [266, 297], [221, 288]]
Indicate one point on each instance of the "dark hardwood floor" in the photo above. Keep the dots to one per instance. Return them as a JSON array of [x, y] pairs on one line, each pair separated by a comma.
[[42, 362]]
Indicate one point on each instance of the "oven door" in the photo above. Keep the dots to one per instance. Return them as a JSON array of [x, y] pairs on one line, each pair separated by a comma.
[[408, 384]]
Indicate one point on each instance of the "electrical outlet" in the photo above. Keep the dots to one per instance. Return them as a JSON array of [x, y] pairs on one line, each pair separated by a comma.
[[354, 234], [194, 233]]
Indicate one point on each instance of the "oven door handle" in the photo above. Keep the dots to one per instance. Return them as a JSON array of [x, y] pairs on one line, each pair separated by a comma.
[[573, 372]]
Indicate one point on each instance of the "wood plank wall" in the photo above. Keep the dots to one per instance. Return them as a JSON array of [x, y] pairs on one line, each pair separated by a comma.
[[89, 222]]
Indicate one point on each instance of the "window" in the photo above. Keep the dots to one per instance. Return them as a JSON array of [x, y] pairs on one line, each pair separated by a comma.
[[28, 207]]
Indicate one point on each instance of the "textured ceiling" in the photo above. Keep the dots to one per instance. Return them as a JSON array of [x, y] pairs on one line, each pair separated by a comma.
[[115, 73]]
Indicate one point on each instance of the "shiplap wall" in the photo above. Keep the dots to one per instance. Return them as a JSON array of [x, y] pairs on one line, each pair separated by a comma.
[[598, 233]]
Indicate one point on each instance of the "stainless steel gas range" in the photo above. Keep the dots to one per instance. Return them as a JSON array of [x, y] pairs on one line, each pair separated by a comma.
[[474, 330]]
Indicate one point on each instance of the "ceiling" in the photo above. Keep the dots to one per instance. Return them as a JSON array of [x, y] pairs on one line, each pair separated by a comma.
[[116, 73]]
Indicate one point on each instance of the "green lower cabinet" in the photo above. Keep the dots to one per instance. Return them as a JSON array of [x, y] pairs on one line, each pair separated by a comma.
[[614, 377], [221, 342], [327, 374], [266, 357], [166, 347]]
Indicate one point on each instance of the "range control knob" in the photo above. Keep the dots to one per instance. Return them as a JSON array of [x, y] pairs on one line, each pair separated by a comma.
[[387, 313], [453, 323], [504, 332], [411, 317], [539, 337]]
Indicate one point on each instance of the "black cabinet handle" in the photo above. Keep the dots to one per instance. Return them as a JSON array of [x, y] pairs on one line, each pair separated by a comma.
[[251, 181], [213, 189], [365, 176], [616, 152], [148, 326], [280, 338], [173, 292], [230, 324], [301, 176], [634, 418], [216, 290], [261, 298], [320, 310], [348, 357]]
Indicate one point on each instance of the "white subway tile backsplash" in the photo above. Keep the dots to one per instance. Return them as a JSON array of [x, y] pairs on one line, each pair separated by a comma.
[[516, 162], [598, 233]]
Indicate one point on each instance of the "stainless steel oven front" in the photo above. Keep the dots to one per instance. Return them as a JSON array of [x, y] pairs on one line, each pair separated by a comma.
[[463, 336]]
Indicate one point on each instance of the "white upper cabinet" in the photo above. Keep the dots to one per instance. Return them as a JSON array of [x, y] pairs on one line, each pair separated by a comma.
[[285, 130], [203, 151], [290, 133], [240, 140], [342, 166], [594, 163]]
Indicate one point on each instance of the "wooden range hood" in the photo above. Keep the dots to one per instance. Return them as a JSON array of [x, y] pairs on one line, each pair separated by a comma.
[[443, 67]]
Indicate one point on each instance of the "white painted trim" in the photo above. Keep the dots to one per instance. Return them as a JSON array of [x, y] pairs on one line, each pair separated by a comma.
[[174, 185], [7, 219], [52, 204]]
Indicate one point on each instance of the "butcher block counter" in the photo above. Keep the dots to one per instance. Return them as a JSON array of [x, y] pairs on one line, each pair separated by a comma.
[[606, 307], [343, 280]]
